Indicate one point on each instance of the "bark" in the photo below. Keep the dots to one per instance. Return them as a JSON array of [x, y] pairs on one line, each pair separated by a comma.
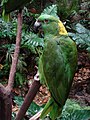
[[16, 53], [5, 104], [28, 99], [2, 90]]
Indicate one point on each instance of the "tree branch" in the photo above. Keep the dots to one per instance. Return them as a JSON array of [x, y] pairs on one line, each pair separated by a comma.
[[16, 53], [28, 99]]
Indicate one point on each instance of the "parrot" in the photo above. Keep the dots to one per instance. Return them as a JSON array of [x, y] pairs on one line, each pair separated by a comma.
[[57, 63]]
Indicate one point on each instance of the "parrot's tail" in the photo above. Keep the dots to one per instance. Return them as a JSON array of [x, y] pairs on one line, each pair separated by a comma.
[[52, 108]]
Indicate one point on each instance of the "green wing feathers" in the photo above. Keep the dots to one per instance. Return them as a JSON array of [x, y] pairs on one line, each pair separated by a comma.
[[52, 108], [57, 66]]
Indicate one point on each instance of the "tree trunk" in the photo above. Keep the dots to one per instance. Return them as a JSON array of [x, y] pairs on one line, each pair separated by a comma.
[[5, 104]]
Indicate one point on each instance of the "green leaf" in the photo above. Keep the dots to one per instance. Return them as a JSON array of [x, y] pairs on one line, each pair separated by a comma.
[[73, 111], [80, 29], [81, 36], [33, 109], [51, 10], [88, 49], [7, 29], [19, 78], [31, 41]]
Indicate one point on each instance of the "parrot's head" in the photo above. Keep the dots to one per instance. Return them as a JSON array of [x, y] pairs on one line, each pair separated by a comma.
[[50, 25]]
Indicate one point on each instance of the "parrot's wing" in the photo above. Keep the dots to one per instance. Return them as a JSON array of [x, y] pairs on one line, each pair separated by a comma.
[[59, 65], [41, 72], [53, 63], [48, 107], [51, 107]]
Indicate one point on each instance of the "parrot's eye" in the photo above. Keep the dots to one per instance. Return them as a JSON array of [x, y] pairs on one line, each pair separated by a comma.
[[46, 21], [39, 21]]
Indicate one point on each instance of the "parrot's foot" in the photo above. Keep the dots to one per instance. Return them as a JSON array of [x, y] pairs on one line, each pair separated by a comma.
[[36, 77]]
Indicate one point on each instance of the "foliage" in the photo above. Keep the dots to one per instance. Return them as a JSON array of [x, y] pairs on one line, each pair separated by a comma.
[[73, 111], [33, 109], [6, 62], [66, 7], [4, 71], [21, 66], [51, 10], [31, 41], [81, 36], [21, 70], [8, 29]]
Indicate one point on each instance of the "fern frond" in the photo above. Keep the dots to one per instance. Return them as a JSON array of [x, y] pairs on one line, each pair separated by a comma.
[[73, 111], [81, 36], [51, 10], [32, 39]]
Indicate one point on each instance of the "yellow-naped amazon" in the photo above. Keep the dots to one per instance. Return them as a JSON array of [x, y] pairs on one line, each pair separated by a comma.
[[57, 64]]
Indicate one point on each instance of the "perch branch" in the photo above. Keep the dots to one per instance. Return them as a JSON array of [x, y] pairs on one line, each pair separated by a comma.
[[16, 53], [28, 99]]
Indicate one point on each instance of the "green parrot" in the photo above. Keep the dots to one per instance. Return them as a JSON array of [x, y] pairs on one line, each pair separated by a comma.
[[57, 64]]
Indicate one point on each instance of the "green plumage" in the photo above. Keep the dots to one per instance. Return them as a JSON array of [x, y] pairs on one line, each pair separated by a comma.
[[57, 66]]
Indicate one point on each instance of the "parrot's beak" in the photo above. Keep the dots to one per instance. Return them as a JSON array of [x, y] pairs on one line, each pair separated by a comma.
[[37, 26], [38, 29]]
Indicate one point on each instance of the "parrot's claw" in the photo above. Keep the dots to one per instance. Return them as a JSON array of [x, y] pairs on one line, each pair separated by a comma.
[[36, 77]]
